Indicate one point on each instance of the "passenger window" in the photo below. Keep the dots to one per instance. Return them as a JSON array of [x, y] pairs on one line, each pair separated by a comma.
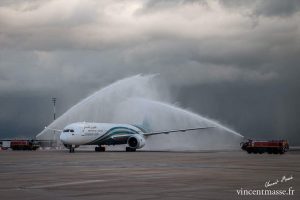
[[67, 130], [71, 130]]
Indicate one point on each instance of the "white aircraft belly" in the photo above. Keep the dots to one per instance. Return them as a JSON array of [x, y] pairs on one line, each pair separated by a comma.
[[89, 137], [79, 139]]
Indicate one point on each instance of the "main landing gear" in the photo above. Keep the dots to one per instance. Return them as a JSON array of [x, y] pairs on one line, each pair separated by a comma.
[[129, 149], [100, 148]]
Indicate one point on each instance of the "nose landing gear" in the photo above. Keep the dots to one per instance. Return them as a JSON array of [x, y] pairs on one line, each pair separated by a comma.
[[72, 149]]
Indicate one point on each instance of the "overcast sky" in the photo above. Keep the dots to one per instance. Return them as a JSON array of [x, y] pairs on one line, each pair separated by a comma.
[[235, 61]]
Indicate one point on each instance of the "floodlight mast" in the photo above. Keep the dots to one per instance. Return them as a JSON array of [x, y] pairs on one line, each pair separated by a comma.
[[54, 116], [54, 110]]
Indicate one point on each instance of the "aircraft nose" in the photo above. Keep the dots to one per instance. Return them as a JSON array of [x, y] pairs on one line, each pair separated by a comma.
[[63, 137]]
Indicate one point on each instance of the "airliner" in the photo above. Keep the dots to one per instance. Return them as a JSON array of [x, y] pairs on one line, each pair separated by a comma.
[[101, 134]]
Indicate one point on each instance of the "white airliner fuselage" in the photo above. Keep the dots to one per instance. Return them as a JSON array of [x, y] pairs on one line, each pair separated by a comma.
[[77, 134], [83, 133]]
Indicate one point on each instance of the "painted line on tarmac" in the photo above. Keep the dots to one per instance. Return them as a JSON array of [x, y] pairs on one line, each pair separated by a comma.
[[63, 184], [139, 177]]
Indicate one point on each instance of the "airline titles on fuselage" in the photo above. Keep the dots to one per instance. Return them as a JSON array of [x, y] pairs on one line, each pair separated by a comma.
[[91, 131]]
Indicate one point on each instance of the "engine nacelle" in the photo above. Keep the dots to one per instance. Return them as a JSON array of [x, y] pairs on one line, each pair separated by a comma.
[[136, 141]]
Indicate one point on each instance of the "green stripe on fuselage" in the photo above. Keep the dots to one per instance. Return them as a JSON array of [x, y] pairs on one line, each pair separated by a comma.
[[111, 132]]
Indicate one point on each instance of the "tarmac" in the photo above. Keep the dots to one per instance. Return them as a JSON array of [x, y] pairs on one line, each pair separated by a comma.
[[46, 175]]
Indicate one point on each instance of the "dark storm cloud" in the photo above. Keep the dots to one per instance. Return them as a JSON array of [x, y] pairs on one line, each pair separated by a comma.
[[70, 48], [256, 110], [275, 8]]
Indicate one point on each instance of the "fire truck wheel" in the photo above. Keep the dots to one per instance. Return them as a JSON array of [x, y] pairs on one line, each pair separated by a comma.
[[269, 151], [281, 151]]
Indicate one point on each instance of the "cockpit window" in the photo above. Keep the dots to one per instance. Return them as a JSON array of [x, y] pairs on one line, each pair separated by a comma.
[[68, 130]]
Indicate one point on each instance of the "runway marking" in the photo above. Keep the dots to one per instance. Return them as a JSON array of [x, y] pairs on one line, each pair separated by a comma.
[[141, 176], [63, 184]]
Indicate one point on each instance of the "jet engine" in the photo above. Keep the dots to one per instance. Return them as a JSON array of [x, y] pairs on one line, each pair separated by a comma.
[[136, 141]]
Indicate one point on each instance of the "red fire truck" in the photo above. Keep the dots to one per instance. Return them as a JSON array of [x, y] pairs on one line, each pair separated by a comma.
[[272, 146], [24, 145]]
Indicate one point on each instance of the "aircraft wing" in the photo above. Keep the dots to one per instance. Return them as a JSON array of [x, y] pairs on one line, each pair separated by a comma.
[[175, 131], [120, 136]]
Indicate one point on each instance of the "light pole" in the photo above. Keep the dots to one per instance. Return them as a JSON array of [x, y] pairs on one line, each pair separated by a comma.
[[54, 113]]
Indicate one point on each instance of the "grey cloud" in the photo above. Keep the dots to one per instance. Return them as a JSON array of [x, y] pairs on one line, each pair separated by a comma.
[[153, 5], [278, 8], [261, 111], [269, 8]]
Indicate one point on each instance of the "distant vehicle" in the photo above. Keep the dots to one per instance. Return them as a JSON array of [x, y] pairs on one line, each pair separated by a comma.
[[272, 146], [24, 145], [83, 133], [5, 144]]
